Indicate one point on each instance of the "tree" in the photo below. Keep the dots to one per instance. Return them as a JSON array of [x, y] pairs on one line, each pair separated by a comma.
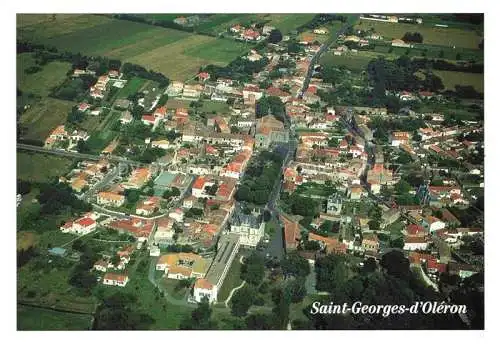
[[132, 195], [331, 273], [296, 289], [261, 321], [397, 243], [200, 318], [241, 301], [235, 129], [275, 36], [252, 270], [370, 265], [413, 37], [374, 225], [396, 264], [295, 265]]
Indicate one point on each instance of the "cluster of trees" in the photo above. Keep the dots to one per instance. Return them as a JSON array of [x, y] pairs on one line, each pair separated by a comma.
[[383, 127], [130, 70], [399, 75], [239, 69], [413, 37], [320, 20], [118, 312], [273, 104], [172, 192], [253, 269], [56, 198], [81, 276], [260, 178]]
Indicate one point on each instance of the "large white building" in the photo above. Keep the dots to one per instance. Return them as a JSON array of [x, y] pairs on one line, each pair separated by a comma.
[[250, 228]]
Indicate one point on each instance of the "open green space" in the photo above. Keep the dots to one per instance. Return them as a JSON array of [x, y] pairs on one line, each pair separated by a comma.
[[41, 118], [173, 289], [232, 279], [447, 37], [37, 167], [132, 86], [355, 62], [452, 78], [221, 50], [288, 22], [214, 107], [41, 82], [30, 318]]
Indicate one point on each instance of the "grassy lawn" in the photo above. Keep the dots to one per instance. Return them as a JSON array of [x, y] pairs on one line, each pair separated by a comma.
[[232, 279], [41, 82], [315, 189], [131, 87], [43, 117], [214, 107], [354, 62], [38, 167], [288, 22], [222, 51], [171, 287], [29, 318], [452, 78], [46, 284], [166, 315], [396, 229], [447, 37]]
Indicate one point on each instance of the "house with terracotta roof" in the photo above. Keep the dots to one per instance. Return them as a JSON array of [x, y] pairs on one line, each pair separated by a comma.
[[414, 230], [291, 232], [115, 279], [148, 206], [140, 228], [203, 76], [183, 265], [415, 243], [329, 244], [138, 178], [270, 130], [110, 198], [399, 138], [80, 226], [204, 289], [164, 231]]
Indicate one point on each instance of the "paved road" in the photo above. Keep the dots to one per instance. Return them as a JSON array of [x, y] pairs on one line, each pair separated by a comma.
[[76, 154], [315, 58], [104, 181]]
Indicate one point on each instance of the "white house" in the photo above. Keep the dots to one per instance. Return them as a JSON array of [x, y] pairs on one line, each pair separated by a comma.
[[204, 289], [415, 243], [115, 279], [432, 224], [177, 215]]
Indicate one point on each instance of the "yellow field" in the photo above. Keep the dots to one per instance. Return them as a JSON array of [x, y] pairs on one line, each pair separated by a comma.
[[171, 59], [452, 78], [448, 37], [44, 116], [25, 240]]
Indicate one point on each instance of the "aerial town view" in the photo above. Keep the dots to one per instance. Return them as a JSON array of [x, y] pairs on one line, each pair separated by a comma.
[[250, 171]]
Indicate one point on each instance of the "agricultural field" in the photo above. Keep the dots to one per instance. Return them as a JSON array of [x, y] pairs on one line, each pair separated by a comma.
[[175, 53], [214, 107], [37, 167], [288, 22], [354, 62], [322, 38], [43, 117], [41, 82], [218, 23], [447, 37], [452, 78], [30, 318]]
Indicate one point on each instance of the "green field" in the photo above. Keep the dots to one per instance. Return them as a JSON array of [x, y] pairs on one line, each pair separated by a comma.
[[175, 53], [352, 61], [38, 167], [132, 86], [210, 106], [288, 22], [41, 82], [29, 318], [447, 37], [452, 78], [232, 279], [43, 117], [222, 50]]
